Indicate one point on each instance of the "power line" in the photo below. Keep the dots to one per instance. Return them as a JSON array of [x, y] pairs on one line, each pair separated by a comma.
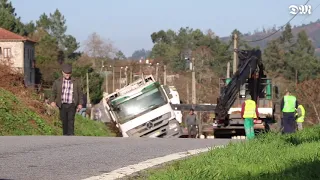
[[278, 29], [310, 15]]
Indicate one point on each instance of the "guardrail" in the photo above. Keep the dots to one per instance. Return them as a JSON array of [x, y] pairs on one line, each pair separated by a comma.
[[196, 107]]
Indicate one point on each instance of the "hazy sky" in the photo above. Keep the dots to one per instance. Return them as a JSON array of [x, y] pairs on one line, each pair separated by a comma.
[[129, 23]]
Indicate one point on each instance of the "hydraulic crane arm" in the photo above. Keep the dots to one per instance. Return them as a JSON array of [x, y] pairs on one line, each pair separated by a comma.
[[250, 68]]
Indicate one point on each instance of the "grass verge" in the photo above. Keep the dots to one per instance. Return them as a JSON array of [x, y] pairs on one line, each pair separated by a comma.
[[270, 156], [18, 118]]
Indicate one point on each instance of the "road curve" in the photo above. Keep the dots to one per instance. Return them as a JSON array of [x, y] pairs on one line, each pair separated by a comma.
[[74, 157]]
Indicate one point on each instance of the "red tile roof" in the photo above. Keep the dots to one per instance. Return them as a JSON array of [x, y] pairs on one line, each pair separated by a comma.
[[8, 35]]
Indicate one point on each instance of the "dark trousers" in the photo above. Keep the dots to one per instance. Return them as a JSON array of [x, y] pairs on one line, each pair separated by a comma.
[[192, 131], [67, 114], [289, 123]]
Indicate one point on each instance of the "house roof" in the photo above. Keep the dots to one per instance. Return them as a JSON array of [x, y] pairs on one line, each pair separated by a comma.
[[6, 35]]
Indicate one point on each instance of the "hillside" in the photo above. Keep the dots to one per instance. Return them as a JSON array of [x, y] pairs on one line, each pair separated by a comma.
[[312, 29], [16, 118], [22, 113]]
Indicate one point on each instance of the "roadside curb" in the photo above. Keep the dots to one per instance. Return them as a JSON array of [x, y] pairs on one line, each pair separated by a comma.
[[129, 170]]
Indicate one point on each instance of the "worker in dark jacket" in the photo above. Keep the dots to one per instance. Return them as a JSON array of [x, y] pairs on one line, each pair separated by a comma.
[[67, 96], [191, 122], [249, 112], [289, 104]]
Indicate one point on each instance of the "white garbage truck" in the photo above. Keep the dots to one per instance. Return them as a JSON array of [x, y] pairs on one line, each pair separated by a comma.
[[143, 109], [175, 99]]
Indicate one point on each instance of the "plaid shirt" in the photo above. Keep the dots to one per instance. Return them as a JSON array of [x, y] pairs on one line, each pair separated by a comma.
[[67, 91]]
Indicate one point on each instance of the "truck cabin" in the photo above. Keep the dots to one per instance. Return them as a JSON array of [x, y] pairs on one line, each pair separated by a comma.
[[138, 102]]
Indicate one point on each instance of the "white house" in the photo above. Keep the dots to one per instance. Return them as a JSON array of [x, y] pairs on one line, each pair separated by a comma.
[[20, 52]]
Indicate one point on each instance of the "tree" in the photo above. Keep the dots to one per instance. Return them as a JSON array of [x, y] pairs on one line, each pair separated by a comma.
[[44, 22], [273, 58], [71, 45], [286, 39], [58, 28], [292, 57], [9, 19], [98, 48], [30, 28], [172, 48], [120, 55], [55, 25], [303, 60], [46, 54], [142, 53]]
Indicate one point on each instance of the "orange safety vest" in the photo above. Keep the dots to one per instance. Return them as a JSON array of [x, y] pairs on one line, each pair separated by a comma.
[[250, 109]]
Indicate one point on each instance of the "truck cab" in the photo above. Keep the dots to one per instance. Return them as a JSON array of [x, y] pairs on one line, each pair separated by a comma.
[[142, 109], [175, 99]]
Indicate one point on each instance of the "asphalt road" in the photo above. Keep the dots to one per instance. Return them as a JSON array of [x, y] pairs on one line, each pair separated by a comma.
[[58, 157]]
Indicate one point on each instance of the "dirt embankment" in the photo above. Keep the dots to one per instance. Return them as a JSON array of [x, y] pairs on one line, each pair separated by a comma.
[[23, 113]]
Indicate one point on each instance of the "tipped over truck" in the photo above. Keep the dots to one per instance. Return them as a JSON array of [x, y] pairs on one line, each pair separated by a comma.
[[143, 109]]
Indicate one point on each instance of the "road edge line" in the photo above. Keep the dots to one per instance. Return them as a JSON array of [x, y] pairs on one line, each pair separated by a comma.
[[129, 170]]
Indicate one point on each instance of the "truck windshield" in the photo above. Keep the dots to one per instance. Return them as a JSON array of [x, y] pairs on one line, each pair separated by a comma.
[[141, 104]]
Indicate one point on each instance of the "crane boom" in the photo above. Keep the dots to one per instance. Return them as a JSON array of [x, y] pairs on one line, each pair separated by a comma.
[[250, 70]]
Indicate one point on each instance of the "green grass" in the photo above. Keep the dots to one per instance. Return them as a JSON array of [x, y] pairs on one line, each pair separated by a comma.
[[270, 156], [17, 119]]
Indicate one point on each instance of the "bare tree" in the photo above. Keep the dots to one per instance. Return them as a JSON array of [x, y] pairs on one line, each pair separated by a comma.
[[99, 48]]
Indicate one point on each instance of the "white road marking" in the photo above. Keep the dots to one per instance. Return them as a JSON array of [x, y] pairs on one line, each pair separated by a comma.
[[125, 171]]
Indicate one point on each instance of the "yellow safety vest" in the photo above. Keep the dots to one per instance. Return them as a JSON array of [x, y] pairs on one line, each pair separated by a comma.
[[303, 113], [289, 103], [250, 109]]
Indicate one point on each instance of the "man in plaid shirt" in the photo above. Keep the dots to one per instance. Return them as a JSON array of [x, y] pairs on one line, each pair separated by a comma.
[[67, 96]]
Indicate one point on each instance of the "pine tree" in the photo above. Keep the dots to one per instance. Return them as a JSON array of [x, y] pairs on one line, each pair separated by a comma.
[[304, 61]]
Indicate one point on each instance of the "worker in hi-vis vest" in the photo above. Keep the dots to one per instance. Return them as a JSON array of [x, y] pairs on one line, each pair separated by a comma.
[[249, 112], [301, 113], [289, 104]]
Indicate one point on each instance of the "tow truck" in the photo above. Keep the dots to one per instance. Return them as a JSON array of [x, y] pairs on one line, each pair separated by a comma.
[[142, 109], [249, 78]]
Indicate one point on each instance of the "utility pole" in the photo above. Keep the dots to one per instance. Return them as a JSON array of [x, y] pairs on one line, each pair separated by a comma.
[[157, 71], [113, 84], [107, 83], [131, 69], [235, 47], [188, 96], [125, 71], [140, 68], [228, 70], [88, 93], [120, 78], [193, 83], [296, 77], [165, 75]]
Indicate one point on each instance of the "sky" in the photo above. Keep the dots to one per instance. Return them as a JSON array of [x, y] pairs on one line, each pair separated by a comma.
[[129, 23]]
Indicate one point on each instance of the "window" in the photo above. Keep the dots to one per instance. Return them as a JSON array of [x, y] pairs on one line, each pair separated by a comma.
[[6, 52], [141, 104]]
